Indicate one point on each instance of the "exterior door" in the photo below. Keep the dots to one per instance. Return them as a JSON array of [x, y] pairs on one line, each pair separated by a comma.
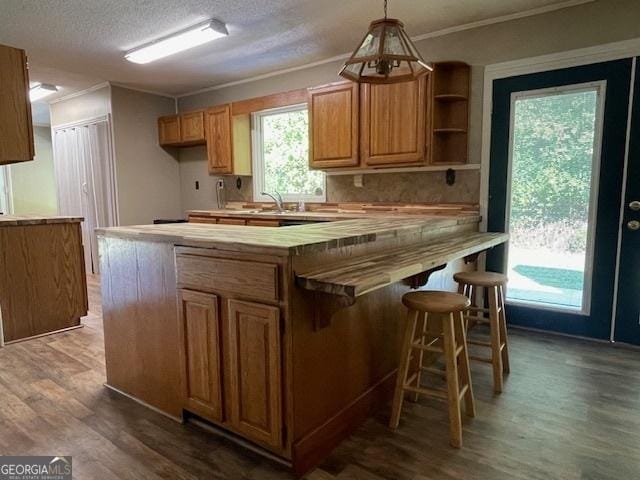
[[627, 321], [558, 146]]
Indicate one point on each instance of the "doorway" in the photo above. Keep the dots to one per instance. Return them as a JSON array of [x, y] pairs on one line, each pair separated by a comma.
[[558, 144]]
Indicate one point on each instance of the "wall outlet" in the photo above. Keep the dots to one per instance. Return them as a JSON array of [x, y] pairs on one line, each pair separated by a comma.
[[358, 180], [197, 185]]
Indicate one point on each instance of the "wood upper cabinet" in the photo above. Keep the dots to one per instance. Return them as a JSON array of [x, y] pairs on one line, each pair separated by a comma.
[[16, 128], [394, 123], [255, 372], [333, 125], [181, 130], [218, 127], [169, 130], [192, 127], [200, 335]]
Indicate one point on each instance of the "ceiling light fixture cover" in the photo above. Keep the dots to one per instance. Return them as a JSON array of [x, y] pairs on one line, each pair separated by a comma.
[[385, 55], [40, 91], [178, 42]]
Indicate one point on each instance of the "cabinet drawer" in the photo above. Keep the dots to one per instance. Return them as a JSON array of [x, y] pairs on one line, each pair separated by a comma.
[[231, 221], [251, 280]]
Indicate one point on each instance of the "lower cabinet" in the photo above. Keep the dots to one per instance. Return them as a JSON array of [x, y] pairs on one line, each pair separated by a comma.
[[200, 327], [244, 355], [255, 371]]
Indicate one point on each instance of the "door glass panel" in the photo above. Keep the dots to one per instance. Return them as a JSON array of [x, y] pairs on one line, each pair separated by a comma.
[[554, 148]]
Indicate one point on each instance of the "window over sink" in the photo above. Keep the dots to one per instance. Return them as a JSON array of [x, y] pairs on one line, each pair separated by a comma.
[[280, 156]]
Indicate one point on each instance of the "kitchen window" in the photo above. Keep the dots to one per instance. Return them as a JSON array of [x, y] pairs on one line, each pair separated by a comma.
[[280, 140]]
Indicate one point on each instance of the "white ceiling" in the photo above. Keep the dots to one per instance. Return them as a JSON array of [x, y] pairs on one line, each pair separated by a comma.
[[79, 43]]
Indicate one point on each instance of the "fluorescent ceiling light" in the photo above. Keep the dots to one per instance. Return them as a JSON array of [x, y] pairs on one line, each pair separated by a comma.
[[189, 38], [40, 91]]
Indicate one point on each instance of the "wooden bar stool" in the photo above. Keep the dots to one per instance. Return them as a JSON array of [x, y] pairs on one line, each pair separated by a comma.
[[494, 283], [449, 308]]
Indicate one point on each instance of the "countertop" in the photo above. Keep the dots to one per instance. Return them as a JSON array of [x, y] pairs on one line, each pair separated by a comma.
[[294, 240], [336, 211], [22, 220]]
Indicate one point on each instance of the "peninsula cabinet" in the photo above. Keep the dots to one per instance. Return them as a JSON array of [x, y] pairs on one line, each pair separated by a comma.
[[333, 125], [16, 129], [254, 371], [394, 123], [230, 344], [200, 335]]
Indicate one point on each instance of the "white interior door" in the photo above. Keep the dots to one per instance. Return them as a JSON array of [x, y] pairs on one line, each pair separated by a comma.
[[85, 181]]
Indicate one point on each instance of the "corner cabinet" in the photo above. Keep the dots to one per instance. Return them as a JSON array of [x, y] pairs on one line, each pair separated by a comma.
[[394, 123], [16, 127], [334, 125], [169, 130], [255, 371]]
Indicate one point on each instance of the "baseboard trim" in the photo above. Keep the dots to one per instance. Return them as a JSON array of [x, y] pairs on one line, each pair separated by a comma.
[[143, 403], [316, 445], [40, 335]]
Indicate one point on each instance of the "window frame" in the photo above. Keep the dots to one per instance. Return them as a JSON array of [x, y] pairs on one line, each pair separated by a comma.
[[257, 158]]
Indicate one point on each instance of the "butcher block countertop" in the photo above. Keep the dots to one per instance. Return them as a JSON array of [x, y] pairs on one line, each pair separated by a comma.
[[22, 220], [293, 240]]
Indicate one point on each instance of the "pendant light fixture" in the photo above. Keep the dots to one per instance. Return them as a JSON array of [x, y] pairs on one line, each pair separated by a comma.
[[385, 55]]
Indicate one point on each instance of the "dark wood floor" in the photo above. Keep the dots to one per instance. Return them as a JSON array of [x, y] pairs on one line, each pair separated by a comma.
[[570, 410]]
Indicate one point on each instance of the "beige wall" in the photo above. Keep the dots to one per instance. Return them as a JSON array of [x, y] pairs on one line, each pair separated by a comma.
[[600, 22], [33, 183], [83, 107], [148, 177]]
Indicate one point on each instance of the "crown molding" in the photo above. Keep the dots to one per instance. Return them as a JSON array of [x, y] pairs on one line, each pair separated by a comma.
[[424, 36], [79, 93]]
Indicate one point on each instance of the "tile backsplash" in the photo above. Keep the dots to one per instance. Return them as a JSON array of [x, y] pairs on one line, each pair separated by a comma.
[[413, 187]]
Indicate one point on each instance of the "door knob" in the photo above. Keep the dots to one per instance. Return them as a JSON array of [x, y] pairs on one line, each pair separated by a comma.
[[633, 225], [635, 205]]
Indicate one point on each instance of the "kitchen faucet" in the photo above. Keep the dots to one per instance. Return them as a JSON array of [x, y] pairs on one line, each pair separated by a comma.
[[276, 198]]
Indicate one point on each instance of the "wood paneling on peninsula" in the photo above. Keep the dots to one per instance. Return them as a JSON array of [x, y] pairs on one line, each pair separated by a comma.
[[43, 286]]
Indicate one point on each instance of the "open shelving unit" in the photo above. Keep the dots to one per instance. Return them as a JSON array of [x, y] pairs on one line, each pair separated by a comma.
[[449, 139]]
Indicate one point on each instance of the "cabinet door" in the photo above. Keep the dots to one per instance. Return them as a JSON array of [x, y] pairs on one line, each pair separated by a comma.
[[219, 141], [16, 130], [394, 123], [200, 332], [255, 371], [169, 130], [333, 125], [192, 127]]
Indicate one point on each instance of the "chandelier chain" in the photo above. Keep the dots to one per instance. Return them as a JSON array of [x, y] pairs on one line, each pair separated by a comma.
[[385, 8]]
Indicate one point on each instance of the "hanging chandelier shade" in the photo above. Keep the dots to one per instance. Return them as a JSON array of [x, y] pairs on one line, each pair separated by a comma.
[[385, 55]]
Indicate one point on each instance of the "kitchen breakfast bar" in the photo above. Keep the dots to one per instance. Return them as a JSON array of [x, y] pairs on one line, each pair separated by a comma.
[[282, 339]]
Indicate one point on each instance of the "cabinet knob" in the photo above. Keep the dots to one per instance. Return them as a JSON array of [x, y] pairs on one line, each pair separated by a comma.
[[635, 205], [633, 225]]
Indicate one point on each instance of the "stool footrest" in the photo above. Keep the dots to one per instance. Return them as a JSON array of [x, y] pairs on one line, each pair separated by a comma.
[[476, 318], [479, 343], [430, 392], [463, 390], [434, 371], [427, 347], [480, 359]]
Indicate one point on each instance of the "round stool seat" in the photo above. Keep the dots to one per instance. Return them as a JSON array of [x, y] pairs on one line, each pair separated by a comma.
[[481, 279], [434, 301]]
